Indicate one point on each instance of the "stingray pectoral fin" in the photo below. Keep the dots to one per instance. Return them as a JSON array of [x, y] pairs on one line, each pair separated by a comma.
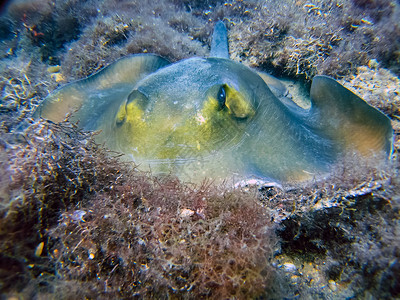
[[57, 105], [347, 119], [117, 78]]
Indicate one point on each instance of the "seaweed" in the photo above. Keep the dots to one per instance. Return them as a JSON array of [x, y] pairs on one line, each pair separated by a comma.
[[331, 38], [345, 227], [73, 211], [163, 239]]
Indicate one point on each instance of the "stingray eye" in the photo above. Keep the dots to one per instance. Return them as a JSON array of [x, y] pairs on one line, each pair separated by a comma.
[[221, 97], [138, 99], [236, 102], [133, 108]]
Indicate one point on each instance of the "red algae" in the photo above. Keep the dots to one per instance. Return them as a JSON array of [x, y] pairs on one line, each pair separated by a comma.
[[139, 242]]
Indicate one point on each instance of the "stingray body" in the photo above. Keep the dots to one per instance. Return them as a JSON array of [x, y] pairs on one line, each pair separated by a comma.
[[213, 117]]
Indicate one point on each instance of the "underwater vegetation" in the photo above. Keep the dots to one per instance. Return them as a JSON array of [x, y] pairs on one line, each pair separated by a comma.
[[345, 228], [325, 37], [168, 241], [295, 37], [71, 211], [77, 221], [81, 215], [30, 204]]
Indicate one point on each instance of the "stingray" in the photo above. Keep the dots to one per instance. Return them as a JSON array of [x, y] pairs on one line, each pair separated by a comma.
[[216, 118]]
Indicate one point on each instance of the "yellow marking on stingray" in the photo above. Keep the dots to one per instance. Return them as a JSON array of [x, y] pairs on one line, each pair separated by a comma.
[[134, 113], [237, 104], [121, 114], [157, 135], [130, 113], [178, 134]]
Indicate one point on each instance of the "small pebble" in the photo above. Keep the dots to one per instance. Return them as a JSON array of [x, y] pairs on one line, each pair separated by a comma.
[[53, 69], [289, 267], [185, 213], [39, 249], [332, 285]]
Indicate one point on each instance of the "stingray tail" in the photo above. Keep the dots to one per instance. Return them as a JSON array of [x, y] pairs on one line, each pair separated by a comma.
[[219, 44], [348, 120]]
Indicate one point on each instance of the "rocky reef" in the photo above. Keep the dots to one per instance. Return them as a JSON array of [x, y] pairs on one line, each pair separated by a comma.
[[77, 222]]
